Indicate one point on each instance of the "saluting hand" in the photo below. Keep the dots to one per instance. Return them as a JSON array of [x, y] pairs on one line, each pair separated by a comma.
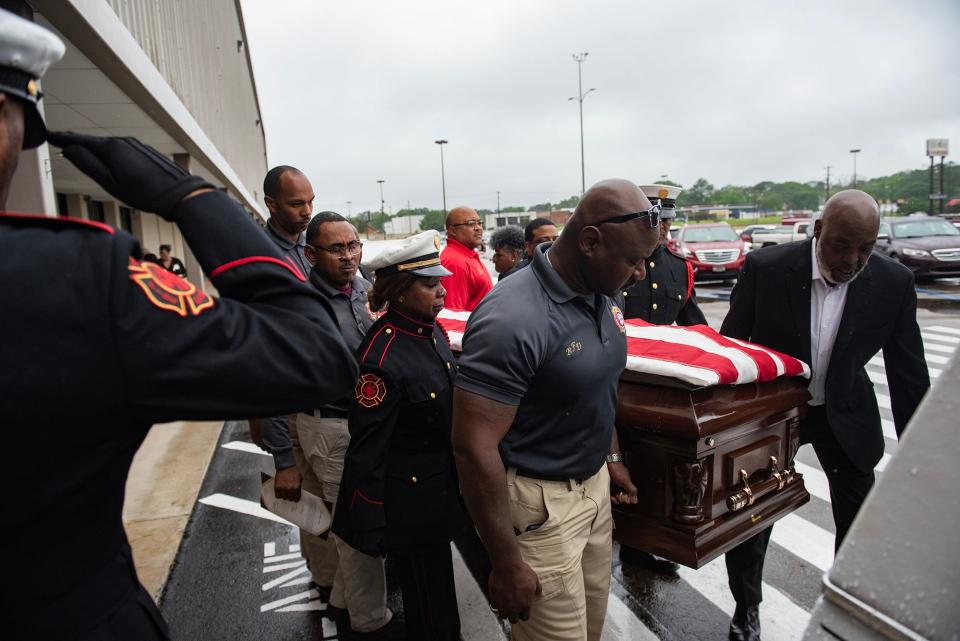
[[132, 172], [513, 590]]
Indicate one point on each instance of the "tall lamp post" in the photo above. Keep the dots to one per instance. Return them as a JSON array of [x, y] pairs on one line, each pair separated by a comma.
[[380, 182], [349, 209], [854, 153], [937, 147], [580, 57], [443, 177]]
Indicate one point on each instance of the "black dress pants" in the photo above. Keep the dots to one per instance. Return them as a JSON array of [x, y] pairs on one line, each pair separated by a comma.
[[429, 593], [849, 487]]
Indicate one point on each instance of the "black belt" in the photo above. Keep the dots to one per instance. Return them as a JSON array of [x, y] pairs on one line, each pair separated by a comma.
[[548, 477]]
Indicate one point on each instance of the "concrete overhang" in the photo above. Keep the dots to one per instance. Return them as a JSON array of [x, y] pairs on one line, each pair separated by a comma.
[[107, 86]]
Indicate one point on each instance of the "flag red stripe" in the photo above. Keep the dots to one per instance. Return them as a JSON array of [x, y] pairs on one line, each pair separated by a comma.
[[684, 354], [766, 367]]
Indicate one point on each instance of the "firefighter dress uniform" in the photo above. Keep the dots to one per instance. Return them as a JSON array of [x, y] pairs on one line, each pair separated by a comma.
[[98, 345], [399, 494], [666, 295]]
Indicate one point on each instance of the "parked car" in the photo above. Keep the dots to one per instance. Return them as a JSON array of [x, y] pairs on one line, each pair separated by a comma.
[[714, 249], [746, 234], [781, 234], [928, 245]]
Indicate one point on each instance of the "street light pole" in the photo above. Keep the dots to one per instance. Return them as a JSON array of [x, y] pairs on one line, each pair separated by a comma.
[[349, 212], [443, 177], [580, 57], [380, 182], [854, 152]]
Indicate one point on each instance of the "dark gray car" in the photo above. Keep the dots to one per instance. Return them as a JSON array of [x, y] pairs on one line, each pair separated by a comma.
[[928, 245]]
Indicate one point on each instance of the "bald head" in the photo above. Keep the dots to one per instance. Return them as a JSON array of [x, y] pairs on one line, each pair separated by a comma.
[[846, 234], [594, 254], [465, 226], [606, 199]]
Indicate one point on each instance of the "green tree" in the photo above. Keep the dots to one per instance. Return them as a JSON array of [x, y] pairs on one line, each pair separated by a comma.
[[541, 207], [568, 203], [699, 194], [433, 219], [511, 210]]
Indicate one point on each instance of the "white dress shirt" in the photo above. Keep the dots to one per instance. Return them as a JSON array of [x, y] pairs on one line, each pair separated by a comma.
[[826, 310]]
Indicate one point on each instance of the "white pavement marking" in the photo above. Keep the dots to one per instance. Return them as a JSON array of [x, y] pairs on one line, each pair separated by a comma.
[[243, 506], [243, 446], [943, 349], [930, 358], [477, 621], [277, 567], [814, 480], [889, 429], [283, 557], [622, 624], [883, 400], [283, 579], [882, 465], [943, 330], [780, 618], [302, 596], [269, 549], [805, 540], [953, 340], [877, 361]]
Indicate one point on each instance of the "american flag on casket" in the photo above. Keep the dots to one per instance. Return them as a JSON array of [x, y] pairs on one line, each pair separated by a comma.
[[698, 356]]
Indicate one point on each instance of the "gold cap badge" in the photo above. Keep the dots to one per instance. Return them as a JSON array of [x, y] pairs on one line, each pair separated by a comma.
[[663, 193], [32, 88]]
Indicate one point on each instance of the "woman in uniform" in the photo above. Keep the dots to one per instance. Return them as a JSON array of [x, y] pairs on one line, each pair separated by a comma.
[[399, 494]]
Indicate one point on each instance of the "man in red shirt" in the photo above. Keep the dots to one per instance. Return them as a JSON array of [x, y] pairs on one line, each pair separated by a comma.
[[470, 281]]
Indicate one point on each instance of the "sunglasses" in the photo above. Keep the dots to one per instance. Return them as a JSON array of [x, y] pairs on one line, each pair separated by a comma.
[[652, 215]]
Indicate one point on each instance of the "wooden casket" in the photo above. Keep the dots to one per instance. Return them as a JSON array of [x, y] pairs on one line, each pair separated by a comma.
[[713, 461], [713, 465]]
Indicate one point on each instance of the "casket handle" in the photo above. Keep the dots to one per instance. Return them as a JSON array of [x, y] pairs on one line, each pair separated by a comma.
[[746, 495]]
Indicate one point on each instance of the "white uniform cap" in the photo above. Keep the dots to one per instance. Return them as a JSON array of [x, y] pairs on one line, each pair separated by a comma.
[[665, 195], [418, 254], [26, 52]]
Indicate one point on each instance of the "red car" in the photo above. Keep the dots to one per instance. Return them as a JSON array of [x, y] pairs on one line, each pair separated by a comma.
[[716, 251]]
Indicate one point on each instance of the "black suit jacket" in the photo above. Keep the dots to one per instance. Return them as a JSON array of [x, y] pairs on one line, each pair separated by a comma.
[[770, 305]]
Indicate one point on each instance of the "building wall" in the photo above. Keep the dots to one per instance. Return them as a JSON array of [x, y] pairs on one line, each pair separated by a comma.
[[200, 49]]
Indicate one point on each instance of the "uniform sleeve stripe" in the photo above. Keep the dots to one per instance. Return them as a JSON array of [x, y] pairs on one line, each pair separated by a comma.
[[258, 259], [63, 219]]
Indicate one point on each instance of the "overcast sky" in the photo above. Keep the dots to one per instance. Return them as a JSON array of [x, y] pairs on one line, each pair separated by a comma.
[[735, 92]]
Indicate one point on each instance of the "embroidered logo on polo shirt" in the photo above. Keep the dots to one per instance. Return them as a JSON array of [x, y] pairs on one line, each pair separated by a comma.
[[618, 318], [573, 348], [371, 390], [167, 290]]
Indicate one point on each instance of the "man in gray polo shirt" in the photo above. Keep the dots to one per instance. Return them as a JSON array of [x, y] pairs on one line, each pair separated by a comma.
[[534, 413]]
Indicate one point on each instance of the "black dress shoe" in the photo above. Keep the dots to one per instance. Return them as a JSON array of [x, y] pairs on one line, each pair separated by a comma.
[[323, 590], [745, 625], [394, 630], [340, 616], [652, 562]]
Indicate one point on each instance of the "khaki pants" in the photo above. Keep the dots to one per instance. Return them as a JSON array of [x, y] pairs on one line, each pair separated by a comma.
[[565, 536], [358, 580]]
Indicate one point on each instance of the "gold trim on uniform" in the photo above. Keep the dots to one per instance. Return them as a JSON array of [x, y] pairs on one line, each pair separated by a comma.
[[418, 264]]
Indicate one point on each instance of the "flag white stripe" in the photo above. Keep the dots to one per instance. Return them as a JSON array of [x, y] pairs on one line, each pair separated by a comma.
[[453, 315], [744, 364]]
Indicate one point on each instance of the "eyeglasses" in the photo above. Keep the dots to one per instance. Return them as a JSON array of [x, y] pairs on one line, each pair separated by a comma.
[[342, 251], [469, 223], [652, 215]]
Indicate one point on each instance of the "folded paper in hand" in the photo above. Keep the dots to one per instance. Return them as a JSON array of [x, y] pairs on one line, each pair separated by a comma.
[[309, 513]]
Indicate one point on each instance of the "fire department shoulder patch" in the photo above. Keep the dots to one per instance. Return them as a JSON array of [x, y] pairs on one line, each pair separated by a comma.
[[371, 390], [168, 291], [618, 318]]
